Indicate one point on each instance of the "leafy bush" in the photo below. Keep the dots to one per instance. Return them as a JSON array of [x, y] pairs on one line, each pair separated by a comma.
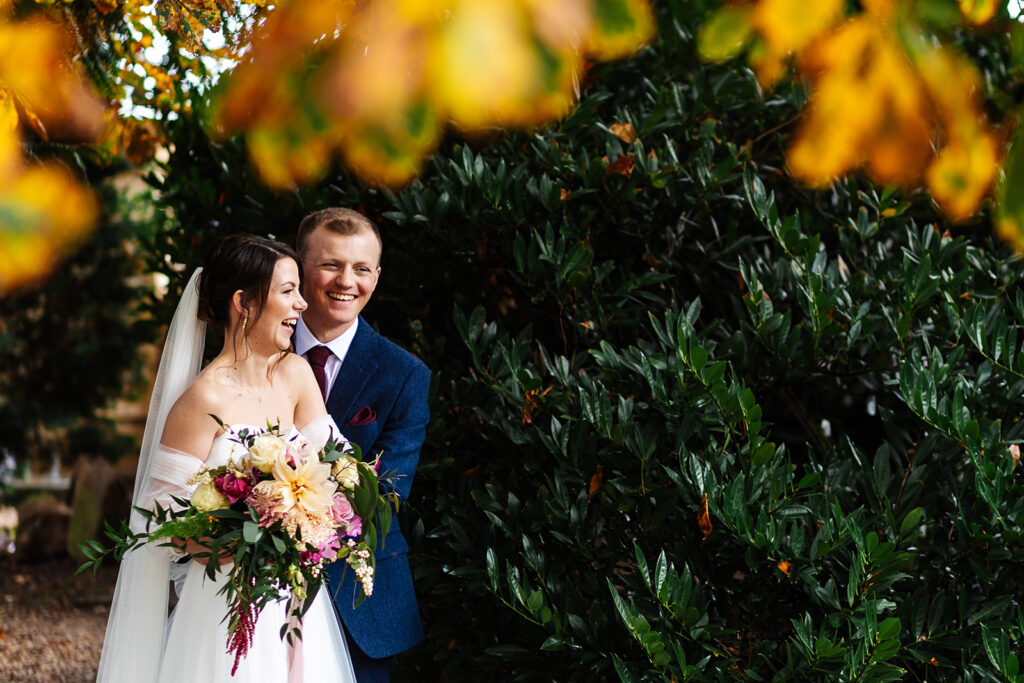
[[689, 421]]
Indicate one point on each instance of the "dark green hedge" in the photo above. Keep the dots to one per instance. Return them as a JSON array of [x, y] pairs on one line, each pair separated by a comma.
[[837, 375]]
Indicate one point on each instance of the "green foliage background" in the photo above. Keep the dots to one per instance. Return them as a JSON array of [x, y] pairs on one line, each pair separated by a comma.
[[839, 374]]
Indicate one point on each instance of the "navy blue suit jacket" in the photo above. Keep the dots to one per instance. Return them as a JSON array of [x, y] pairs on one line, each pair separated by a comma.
[[380, 375]]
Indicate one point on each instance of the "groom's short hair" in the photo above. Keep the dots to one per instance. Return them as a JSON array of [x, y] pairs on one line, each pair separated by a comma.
[[336, 219]]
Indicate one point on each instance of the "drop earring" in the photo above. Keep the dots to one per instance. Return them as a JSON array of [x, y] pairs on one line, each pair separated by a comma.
[[245, 321]]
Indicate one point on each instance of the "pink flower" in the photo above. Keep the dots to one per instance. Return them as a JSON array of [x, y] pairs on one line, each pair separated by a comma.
[[233, 486], [266, 503], [327, 551], [342, 509], [345, 517], [355, 526]]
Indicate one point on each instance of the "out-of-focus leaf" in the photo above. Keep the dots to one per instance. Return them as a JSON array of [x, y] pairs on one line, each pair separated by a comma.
[[978, 11], [724, 33], [1010, 221], [619, 28]]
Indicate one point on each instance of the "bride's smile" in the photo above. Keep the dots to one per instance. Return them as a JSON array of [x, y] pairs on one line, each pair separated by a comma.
[[276, 322]]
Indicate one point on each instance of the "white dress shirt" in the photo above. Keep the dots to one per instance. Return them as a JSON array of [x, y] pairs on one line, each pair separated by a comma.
[[304, 341]]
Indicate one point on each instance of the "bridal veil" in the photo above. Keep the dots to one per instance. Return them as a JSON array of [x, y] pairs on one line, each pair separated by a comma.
[[136, 627]]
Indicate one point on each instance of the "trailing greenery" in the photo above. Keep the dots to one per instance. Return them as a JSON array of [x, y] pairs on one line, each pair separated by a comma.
[[622, 333]]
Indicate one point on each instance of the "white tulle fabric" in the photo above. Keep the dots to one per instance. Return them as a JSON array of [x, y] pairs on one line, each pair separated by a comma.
[[134, 639], [141, 644]]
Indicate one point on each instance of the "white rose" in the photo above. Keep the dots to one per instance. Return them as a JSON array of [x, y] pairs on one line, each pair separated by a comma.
[[266, 449], [346, 471], [301, 449], [206, 497]]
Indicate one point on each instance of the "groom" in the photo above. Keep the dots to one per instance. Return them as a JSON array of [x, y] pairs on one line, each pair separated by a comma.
[[377, 394]]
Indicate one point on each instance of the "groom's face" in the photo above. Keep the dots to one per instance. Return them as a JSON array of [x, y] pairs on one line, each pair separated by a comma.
[[339, 275]]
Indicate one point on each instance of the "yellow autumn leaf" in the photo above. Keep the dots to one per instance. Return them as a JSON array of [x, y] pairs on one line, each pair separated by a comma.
[[618, 28], [8, 112], [477, 64], [724, 33], [46, 213], [790, 25], [954, 86], [379, 70], [769, 67], [867, 109], [962, 173], [978, 11], [288, 155], [881, 9], [623, 131], [34, 67], [10, 155], [25, 257], [484, 66], [392, 157], [258, 89], [1010, 216], [561, 24]]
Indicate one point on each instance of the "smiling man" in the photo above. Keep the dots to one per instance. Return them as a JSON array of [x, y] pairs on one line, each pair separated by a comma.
[[377, 393]]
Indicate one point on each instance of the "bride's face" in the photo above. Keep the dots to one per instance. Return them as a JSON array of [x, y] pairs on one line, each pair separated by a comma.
[[281, 311]]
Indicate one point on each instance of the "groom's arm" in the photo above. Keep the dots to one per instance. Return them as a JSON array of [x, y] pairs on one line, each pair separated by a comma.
[[402, 435]]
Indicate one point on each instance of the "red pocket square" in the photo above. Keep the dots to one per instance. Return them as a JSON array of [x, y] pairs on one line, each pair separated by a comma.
[[364, 416]]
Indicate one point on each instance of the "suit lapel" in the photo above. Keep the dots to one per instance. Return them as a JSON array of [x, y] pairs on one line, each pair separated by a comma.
[[359, 365]]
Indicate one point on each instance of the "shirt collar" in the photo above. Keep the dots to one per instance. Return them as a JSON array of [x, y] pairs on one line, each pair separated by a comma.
[[304, 340]]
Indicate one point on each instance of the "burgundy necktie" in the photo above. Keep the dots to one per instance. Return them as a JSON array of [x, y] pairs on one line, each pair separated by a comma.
[[317, 357]]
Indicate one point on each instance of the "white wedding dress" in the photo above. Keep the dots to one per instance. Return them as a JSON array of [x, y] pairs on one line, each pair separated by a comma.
[[196, 647], [141, 645]]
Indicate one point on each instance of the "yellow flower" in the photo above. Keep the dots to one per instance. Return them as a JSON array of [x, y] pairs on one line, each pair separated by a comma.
[[307, 487], [206, 498]]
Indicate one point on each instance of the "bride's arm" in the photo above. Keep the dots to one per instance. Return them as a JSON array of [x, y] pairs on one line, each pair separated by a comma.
[[189, 431]]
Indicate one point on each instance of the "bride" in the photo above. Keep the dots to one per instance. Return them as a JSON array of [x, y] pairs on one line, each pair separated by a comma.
[[249, 289]]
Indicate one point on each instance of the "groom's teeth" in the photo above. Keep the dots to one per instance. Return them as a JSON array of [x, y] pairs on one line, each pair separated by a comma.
[[341, 297]]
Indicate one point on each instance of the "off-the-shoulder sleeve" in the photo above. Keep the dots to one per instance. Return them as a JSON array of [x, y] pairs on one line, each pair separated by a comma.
[[168, 473], [322, 429]]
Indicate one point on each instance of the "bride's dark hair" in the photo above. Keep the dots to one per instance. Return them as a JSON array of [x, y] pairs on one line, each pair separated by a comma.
[[239, 262]]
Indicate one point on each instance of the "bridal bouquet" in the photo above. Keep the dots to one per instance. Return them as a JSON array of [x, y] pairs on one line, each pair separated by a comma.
[[281, 511]]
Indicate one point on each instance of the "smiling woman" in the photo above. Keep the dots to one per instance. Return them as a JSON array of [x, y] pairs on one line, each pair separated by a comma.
[[249, 289]]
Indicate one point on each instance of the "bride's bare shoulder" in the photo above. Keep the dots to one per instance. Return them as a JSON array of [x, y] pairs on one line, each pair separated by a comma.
[[295, 368], [190, 427]]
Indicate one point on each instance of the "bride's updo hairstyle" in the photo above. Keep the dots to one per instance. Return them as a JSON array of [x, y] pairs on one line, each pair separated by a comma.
[[239, 262]]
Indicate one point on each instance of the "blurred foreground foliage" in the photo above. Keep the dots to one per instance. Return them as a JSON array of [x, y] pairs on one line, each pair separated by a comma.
[[377, 82], [71, 346], [690, 421], [918, 94]]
